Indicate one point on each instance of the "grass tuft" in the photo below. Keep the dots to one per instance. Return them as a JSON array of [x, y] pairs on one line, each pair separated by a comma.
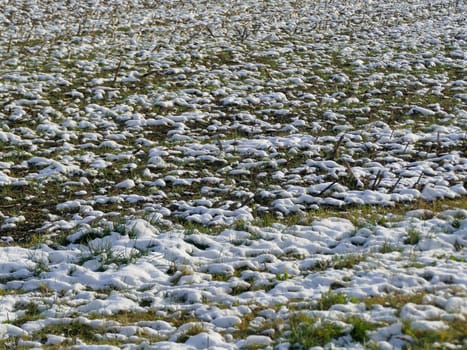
[[360, 328], [329, 299], [387, 247], [309, 331], [413, 237], [454, 334], [194, 329], [31, 313], [340, 262], [396, 301]]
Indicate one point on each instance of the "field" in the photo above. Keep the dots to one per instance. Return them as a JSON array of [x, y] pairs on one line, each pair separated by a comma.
[[233, 174]]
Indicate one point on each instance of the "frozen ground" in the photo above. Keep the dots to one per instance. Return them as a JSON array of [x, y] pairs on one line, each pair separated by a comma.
[[233, 174]]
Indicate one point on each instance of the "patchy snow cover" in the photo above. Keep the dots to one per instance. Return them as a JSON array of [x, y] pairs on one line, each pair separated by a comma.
[[220, 279], [275, 106], [143, 143]]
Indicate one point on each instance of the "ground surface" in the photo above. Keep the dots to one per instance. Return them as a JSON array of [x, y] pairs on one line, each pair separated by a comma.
[[233, 174]]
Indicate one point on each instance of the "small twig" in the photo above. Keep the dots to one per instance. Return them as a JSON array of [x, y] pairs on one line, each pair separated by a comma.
[[351, 173], [219, 144], [379, 177], [327, 188], [210, 32], [117, 70], [149, 73], [418, 180], [438, 142], [8, 206], [393, 187], [406, 146], [10, 40], [335, 152]]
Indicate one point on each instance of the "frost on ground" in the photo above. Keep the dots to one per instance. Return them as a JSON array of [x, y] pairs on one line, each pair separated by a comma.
[[233, 174]]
